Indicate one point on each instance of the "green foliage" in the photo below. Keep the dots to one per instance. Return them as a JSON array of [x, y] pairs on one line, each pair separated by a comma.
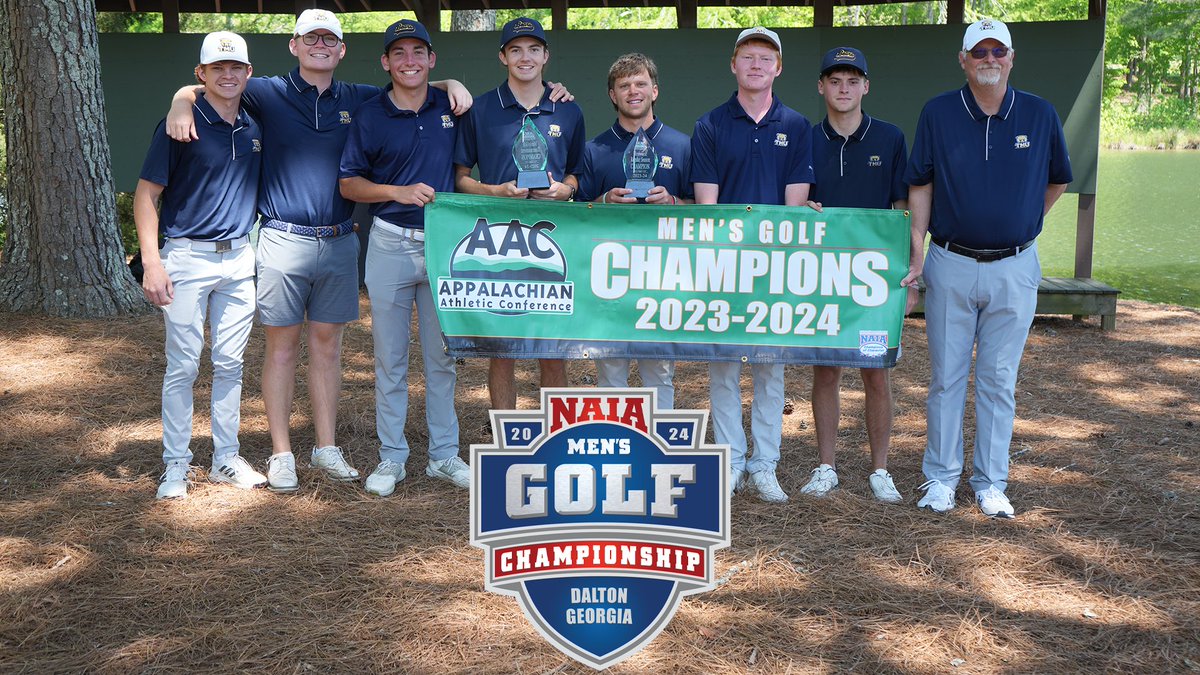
[[125, 222]]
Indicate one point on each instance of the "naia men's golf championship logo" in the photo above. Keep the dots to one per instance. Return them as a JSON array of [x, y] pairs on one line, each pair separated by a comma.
[[599, 513], [507, 268]]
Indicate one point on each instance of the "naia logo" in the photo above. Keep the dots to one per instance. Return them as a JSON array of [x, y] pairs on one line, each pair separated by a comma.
[[507, 268], [599, 513]]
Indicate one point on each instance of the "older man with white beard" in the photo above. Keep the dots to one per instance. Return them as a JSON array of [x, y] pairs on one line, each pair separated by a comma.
[[987, 163]]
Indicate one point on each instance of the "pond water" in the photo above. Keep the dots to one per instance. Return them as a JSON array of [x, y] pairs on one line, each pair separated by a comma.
[[1147, 241]]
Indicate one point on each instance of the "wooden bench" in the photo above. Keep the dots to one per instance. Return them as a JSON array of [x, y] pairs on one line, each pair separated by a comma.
[[1078, 297]]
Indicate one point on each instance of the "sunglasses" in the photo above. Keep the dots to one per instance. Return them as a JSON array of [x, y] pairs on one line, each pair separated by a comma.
[[982, 52], [329, 39]]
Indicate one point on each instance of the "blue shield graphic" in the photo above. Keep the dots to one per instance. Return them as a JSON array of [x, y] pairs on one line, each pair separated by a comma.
[[599, 513]]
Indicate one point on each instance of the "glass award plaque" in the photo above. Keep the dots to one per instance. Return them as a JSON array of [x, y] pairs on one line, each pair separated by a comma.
[[640, 162], [530, 152]]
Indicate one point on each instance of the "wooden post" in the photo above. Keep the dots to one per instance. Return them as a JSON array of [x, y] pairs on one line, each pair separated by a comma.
[[170, 12], [558, 15], [954, 12], [1097, 9], [429, 14], [685, 14], [823, 13], [1085, 230]]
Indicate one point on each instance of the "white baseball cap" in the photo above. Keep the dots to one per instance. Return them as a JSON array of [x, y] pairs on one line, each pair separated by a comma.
[[984, 29], [316, 19], [223, 46], [762, 34]]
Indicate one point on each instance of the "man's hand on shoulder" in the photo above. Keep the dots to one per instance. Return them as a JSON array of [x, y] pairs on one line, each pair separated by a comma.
[[559, 93], [460, 99]]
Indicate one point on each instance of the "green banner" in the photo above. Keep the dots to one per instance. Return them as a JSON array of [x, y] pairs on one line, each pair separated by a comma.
[[760, 284]]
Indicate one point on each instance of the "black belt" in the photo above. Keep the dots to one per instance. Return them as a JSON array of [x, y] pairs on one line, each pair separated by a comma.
[[307, 231], [984, 254]]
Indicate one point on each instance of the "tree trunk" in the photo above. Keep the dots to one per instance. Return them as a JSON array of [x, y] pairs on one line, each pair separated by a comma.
[[473, 19], [63, 256]]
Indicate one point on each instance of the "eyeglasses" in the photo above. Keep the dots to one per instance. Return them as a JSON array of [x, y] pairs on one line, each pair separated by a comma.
[[311, 39], [979, 52]]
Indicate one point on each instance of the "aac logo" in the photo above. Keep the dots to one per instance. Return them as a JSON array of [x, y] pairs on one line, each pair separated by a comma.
[[599, 513], [507, 268]]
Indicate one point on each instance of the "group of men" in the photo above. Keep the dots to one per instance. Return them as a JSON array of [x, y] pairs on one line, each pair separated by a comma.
[[311, 145]]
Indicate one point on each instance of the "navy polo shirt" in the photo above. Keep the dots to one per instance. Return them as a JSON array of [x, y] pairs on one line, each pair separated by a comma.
[[989, 172], [865, 170], [752, 162], [390, 146], [304, 133], [603, 166], [211, 184], [489, 129]]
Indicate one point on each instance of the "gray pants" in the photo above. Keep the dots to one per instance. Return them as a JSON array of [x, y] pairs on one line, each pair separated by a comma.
[[766, 413], [988, 307], [396, 281], [217, 288], [656, 373]]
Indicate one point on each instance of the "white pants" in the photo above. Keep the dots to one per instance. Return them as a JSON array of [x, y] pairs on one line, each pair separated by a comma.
[[656, 373], [219, 288], [766, 413]]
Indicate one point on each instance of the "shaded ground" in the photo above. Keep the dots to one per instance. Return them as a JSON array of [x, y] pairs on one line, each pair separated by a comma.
[[1099, 572]]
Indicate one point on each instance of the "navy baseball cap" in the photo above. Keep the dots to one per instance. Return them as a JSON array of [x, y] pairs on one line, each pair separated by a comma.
[[843, 56], [405, 28], [522, 26]]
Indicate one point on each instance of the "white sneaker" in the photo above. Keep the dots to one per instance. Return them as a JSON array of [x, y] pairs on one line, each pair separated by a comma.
[[938, 498], [330, 460], [824, 479], [994, 504], [281, 473], [768, 487], [174, 481], [235, 471], [737, 480], [451, 469], [883, 487], [382, 481]]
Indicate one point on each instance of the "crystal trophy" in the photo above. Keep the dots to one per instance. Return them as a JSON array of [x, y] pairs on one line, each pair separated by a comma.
[[530, 151], [640, 163]]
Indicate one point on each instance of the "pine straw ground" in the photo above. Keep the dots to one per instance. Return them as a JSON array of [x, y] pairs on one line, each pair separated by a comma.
[[1098, 572]]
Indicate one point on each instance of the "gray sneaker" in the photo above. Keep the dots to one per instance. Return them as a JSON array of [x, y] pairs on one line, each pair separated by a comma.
[[330, 460], [883, 487], [452, 470], [938, 498], [281, 473], [768, 486], [235, 471], [824, 479], [174, 481], [382, 481]]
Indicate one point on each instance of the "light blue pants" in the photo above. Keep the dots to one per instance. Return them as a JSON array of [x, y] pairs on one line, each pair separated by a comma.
[[396, 281], [766, 413], [656, 373], [217, 288], [988, 307]]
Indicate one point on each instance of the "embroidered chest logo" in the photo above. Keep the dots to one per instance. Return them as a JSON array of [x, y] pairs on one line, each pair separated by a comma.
[[447, 122], [555, 131], [255, 145], [874, 160], [344, 116], [781, 140], [1022, 142], [666, 162]]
